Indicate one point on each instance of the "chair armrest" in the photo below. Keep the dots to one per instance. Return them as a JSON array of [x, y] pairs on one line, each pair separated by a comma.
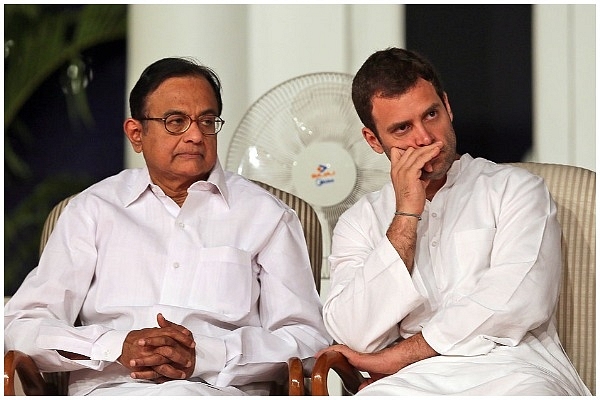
[[295, 377], [31, 379], [350, 376]]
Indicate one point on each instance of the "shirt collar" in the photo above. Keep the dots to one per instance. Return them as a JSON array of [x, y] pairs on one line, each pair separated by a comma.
[[216, 183], [457, 166]]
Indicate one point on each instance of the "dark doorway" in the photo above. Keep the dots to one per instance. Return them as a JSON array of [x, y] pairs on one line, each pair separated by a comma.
[[483, 53]]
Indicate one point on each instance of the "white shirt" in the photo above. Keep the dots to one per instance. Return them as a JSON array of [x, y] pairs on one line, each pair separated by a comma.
[[485, 280], [231, 265]]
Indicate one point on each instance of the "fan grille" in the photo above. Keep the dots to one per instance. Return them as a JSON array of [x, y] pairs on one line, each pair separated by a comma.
[[290, 123]]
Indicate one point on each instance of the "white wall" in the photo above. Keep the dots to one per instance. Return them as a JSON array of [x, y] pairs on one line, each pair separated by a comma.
[[564, 90], [254, 47], [214, 34]]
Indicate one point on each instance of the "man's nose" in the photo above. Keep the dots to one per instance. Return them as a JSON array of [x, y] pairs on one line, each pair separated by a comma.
[[194, 133], [423, 136]]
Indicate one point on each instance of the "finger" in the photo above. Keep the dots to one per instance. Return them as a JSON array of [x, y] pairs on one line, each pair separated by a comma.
[[423, 155], [410, 154], [152, 332], [132, 349], [169, 337], [431, 151], [405, 164], [167, 354], [181, 357], [335, 347], [148, 374], [400, 156], [323, 351], [156, 341], [412, 165], [165, 323], [170, 371], [150, 361]]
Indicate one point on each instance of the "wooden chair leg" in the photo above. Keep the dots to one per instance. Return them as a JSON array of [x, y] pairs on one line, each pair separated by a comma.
[[296, 377], [31, 379]]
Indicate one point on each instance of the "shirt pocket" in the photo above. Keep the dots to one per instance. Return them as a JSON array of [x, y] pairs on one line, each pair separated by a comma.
[[473, 254], [223, 282]]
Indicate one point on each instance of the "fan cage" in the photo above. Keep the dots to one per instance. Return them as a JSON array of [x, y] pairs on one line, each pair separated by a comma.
[[299, 114]]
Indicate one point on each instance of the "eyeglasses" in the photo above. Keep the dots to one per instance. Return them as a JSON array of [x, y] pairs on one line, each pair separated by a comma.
[[178, 124]]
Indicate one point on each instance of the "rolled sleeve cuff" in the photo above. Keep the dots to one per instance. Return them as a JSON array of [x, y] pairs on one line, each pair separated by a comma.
[[210, 358], [446, 339], [109, 346]]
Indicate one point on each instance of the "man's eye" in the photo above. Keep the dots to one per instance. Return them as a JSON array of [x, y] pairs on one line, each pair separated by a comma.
[[207, 121], [176, 120], [401, 128]]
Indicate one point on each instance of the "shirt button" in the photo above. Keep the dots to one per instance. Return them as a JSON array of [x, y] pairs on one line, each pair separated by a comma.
[[434, 215], [181, 225], [434, 243], [176, 265]]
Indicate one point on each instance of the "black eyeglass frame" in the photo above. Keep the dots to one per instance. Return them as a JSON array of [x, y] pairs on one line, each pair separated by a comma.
[[219, 122]]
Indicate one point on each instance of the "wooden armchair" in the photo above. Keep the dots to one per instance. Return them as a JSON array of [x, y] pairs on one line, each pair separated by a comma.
[[574, 191], [35, 383]]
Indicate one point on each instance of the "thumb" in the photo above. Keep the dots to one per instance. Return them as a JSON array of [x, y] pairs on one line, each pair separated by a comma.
[[165, 323], [162, 321]]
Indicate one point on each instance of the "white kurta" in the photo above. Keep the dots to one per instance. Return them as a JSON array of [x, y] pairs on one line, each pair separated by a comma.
[[231, 265], [484, 286]]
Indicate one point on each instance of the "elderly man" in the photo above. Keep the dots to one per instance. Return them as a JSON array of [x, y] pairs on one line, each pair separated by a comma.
[[187, 279]]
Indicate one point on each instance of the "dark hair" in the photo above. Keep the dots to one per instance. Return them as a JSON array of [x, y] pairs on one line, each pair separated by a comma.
[[158, 72], [389, 73]]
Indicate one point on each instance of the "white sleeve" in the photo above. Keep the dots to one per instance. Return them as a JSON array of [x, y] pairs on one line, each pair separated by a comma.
[[371, 289]]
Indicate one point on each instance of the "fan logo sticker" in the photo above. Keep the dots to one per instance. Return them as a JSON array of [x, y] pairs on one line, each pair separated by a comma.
[[323, 175]]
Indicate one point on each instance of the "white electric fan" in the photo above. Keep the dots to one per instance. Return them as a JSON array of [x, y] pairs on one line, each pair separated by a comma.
[[304, 137]]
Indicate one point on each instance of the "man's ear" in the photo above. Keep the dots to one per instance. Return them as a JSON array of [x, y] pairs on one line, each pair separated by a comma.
[[133, 130], [447, 105], [372, 140]]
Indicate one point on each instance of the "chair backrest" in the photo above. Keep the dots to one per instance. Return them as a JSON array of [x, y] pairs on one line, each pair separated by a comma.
[[51, 221], [310, 224], [574, 191]]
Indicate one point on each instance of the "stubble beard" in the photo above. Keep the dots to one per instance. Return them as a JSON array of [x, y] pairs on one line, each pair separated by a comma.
[[444, 160]]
